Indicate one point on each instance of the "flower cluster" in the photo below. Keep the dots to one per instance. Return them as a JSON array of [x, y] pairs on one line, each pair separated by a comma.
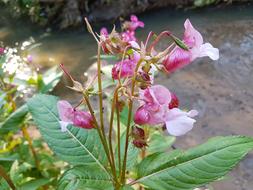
[[134, 75]]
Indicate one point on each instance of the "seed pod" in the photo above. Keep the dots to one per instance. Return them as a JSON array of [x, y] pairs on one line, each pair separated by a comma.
[[138, 133], [139, 143]]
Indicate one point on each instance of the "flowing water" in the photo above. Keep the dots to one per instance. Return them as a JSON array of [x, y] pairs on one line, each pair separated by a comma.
[[222, 91]]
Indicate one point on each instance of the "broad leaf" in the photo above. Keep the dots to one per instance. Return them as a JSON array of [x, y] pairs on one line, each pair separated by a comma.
[[195, 167], [127, 187], [14, 120], [85, 177], [76, 146], [34, 184]]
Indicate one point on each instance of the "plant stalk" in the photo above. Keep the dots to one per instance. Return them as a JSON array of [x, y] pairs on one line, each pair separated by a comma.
[[7, 178], [130, 107], [29, 140]]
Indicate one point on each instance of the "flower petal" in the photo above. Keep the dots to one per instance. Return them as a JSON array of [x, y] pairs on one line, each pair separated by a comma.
[[191, 36], [64, 125], [179, 122], [177, 59], [65, 111], [208, 50]]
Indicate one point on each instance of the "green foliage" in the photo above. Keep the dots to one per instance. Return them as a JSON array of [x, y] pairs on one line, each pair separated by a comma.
[[34, 184], [84, 177], [14, 120], [195, 167], [159, 143], [76, 146]]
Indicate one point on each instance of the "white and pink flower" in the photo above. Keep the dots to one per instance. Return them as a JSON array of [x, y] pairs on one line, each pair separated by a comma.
[[72, 116], [154, 110], [179, 58]]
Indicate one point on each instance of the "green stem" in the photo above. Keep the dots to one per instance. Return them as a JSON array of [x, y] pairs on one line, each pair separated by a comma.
[[130, 107], [118, 130], [100, 94], [104, 142], [7, 178], [111, 127]]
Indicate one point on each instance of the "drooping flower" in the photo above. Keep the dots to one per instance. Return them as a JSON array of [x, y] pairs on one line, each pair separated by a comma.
[[179, 58], [154, 110], [69, 115]]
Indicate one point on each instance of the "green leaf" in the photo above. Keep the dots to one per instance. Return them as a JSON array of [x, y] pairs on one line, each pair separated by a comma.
[[49, 80], [160, 143], [77, 146], [83, 177], [34, 184], [195, 167], [14, 120], [127, 187], [4, 185]]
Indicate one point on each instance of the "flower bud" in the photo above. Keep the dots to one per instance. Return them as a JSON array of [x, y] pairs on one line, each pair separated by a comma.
[[141, 116]]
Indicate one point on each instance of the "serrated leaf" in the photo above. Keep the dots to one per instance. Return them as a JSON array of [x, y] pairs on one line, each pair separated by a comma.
[[85, 177], [14, 120], [76, 146], [195, 167]]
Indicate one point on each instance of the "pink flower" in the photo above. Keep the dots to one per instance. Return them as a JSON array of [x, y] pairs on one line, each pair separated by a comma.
[[104, 32], [69, 115], [128, 36], [130, 26], [1, 51], [125, 68], [179, 58], [154, 110], [135, 23]]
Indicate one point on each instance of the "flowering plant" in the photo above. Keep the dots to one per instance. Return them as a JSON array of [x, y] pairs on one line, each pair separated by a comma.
[[132, 149]]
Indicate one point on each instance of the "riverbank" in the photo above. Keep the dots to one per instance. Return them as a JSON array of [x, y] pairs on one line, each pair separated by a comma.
[[62, 14]]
